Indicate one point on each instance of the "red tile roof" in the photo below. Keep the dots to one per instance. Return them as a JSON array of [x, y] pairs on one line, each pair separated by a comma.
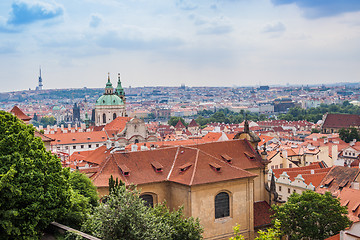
[[20, 114], [337, 178], [179, 125], [117, 125], [173, 160], [262, 214], [351, 198], [193, 123], [78, 137], [341, 121]]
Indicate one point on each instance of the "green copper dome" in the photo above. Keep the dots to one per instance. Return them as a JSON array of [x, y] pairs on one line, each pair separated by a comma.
[[109, 100]]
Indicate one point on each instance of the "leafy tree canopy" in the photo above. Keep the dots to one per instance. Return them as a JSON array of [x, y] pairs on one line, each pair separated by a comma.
[[174, 120], [311, 216], [33, 185], [349, 134], [125, 216]]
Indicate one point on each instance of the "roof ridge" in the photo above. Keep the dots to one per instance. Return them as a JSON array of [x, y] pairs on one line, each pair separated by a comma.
[[102, 168], [195, 164], [172, 167], [126, 182]]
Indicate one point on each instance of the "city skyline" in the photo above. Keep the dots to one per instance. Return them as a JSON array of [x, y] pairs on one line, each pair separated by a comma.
[[157, 43]]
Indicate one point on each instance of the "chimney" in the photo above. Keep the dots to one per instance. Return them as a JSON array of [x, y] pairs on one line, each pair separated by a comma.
[[312, 171], [334, 153], [69, 126], [134, 148], [108, 144]]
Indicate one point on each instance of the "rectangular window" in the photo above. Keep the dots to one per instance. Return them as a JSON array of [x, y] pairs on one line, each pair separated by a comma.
[[74, 147], [290, 165], [276, 166], [281, 165], [279, 188], [89, 145], [66, 147], [97, 145], [82, 146], [288, 190], [272, 167]]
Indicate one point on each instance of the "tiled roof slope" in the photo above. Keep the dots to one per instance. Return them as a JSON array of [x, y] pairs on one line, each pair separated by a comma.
[[337, 178], [20, 114], [351, 198], [262, 214], [179, 125], [341, 120], [188, 165], [117, 125], [193, 123], [78, 137]]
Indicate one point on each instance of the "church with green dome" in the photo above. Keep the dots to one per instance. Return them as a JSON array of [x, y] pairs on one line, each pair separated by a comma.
[[111, 104]]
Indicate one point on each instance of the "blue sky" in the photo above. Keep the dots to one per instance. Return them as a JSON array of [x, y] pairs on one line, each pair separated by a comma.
[[168, 43]]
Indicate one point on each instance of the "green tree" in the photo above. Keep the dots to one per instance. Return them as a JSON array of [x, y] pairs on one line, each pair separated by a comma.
[[311, 216], [174, 120], [47, 120], [269, 234], [181, 227], [125, 216], [33, 186], [349, 134], [84, 198]]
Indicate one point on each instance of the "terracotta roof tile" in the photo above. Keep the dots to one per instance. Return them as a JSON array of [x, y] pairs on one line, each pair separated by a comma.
[[351, 198], [20, 114], [173, 159], [78, 137], [341, 121], [261, 214]]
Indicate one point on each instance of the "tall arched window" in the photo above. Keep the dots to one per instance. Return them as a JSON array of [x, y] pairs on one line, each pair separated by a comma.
[[114, 116], [104, 118], [149, 200], [222, 205]]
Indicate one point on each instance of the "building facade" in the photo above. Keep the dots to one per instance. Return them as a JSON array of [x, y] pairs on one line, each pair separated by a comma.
[[111, 104]]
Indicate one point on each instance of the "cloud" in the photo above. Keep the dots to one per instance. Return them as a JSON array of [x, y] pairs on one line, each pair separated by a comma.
[[113, 39], [23, 12], [95, 20], [5, 28], [274, 28], [7, 47], [186, 5], [322, 8], [217, 26]]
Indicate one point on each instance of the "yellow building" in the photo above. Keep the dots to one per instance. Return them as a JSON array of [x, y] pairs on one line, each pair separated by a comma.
[[221, 183]]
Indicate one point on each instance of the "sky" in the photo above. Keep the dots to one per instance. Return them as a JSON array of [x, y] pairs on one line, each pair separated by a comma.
[[173, 42]]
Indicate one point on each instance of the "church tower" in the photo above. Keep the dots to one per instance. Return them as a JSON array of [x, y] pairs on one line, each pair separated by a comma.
[[119, 91], [110, 105]]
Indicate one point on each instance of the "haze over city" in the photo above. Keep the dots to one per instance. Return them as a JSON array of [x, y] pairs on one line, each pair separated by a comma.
[[168, 43]]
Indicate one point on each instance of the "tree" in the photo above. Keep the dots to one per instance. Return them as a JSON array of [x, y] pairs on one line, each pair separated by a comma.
[[349, 134], [174, 120], [311, 216], [83, 198], [33, 186], [125, 216], [269, 234], [47, 120]]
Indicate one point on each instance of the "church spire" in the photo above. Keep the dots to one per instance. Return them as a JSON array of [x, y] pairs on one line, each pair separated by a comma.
[[119, 89], [109, 87]]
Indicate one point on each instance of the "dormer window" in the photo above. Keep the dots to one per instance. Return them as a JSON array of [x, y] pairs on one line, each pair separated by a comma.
[[125, 171], [157, 166], [185, 167], [226, 158], [73, 139], [328, 182], [249, 155], [216, 167]]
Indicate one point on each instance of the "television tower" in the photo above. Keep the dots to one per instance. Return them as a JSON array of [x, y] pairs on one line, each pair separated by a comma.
[[40, 81]]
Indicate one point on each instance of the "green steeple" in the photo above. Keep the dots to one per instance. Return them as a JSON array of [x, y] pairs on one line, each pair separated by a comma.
[[109, 84], [119, 89]]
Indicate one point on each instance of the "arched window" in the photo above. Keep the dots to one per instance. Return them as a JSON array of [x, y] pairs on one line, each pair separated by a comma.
[[104, 118], [149, 200], [136, 140], [114, 116], [222, 205]]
